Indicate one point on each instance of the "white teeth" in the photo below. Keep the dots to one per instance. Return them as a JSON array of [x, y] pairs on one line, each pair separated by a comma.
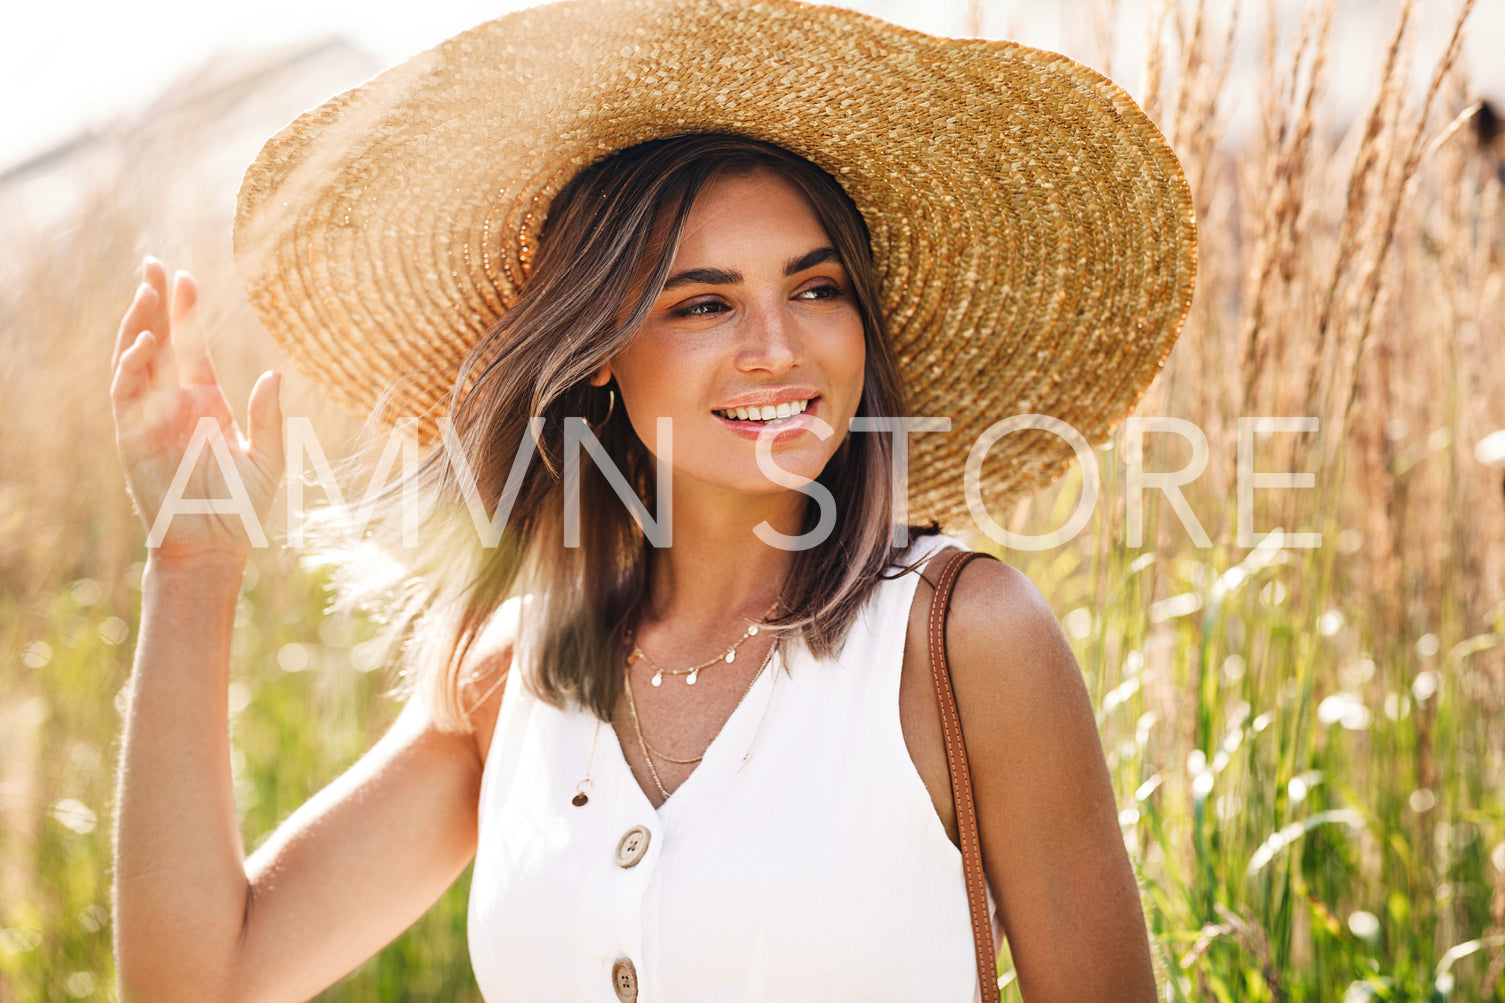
[[767, 412]]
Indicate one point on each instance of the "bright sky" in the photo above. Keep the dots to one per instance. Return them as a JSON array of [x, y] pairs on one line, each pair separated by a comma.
[[67, 66]]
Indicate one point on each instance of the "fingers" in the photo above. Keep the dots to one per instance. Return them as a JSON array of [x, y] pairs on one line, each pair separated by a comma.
[[154, 317], [185, 294], [136, 320], [132, 376], [159, 322], [264, 423], [192, 349]]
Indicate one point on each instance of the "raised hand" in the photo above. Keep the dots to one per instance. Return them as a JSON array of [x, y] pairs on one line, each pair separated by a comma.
[[163, 385]]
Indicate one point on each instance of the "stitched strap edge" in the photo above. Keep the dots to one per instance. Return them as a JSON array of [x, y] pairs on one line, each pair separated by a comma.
[[961, 779]]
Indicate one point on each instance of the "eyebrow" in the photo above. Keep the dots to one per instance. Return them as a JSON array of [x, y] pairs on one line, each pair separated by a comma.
[[725, 277]]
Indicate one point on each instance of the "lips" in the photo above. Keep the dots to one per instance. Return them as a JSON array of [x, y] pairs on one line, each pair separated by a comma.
[[794, 425]]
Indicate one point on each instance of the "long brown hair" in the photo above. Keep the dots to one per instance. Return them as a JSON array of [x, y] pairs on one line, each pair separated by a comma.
[[602, 258]]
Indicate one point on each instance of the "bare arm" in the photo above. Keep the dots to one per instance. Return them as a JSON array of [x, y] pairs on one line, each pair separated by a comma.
[[360, 862], [1052, 849], [349, 870], [180, 886], [339, 879]]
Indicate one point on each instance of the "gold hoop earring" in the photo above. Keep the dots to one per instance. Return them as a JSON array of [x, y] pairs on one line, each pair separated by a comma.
[[611, 405]]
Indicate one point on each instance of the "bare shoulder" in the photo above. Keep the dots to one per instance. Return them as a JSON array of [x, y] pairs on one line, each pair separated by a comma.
[[997, 625], [1003, 637], [1019, 689], [1048, 822], [486, 669], [1001, 633]]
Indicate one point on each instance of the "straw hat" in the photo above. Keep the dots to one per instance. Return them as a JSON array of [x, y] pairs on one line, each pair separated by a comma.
[[1033, 232]]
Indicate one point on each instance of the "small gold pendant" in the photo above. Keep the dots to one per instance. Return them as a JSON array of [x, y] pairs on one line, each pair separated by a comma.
[[658, 679], [690, 679]]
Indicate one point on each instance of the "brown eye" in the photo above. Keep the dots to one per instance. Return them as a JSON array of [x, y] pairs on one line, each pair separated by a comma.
[[819, 292], [703, 308]]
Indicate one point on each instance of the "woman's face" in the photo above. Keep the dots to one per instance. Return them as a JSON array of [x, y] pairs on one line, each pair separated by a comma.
[[757, 312]]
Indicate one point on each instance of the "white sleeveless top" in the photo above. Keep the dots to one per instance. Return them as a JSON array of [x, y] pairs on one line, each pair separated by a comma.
[[818, 871]]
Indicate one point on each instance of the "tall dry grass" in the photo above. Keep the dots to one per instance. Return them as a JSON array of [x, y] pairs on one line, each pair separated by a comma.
[[1302, 741]]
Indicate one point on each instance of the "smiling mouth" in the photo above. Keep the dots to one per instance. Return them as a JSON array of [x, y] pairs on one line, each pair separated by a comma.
[[766, 413]]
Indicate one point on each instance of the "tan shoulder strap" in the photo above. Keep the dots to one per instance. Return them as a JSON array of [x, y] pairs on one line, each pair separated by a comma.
[[961, 780]]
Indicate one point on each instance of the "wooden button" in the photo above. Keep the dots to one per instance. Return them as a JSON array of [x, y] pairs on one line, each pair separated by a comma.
[[632, 846], [624, 979]]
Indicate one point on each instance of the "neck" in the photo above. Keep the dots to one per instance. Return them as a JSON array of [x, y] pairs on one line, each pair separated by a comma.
[[718, 568]]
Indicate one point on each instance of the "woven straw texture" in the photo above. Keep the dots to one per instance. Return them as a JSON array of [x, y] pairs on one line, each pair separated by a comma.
[[1033, 232]]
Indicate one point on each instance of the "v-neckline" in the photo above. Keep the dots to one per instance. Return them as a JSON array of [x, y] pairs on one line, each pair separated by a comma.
[[712, 755]]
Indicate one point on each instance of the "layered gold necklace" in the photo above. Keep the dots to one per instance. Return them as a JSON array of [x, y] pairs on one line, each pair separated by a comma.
[[692, 673], [649, 752]]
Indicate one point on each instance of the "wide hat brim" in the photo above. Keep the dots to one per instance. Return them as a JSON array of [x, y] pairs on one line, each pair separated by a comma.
[[1033, 231]]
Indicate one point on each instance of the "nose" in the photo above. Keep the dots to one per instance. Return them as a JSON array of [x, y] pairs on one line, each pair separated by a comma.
[[770, 342]]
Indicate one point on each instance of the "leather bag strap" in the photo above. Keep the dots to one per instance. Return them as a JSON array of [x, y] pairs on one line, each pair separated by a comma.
[[961, 780]]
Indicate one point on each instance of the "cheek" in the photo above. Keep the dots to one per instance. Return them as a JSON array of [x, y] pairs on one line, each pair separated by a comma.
[[853, 358], [660, 374], [648, 394], [642, 413], [646, 427]]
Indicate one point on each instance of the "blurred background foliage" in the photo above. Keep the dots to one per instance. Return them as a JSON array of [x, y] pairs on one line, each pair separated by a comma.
[[1303, 740]]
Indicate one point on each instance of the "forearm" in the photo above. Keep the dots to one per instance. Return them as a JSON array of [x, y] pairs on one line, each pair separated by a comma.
[[180, 881]]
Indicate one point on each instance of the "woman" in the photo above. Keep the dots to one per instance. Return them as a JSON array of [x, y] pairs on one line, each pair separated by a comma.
[[702, 759]]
